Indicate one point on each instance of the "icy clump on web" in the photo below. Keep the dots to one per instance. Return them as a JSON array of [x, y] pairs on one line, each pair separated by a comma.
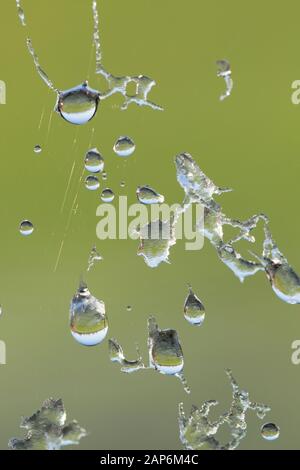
[[198, 431], [21, 13], [165, 354], [47, 429], [224, 71], [94, 258]]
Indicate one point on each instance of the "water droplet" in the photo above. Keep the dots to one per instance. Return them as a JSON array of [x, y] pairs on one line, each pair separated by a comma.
[[270, 431], [124, 146], [78, 105], [107, 195], [147, 195], [26, 228], [37, 149], [104, 176], [94, 162], [129, 308], [88, 320], [194, 311], [122, 184], [92, 183]]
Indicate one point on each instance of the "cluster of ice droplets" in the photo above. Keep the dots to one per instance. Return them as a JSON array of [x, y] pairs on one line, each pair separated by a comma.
[[88, 320], [198, 431], [47, 429]]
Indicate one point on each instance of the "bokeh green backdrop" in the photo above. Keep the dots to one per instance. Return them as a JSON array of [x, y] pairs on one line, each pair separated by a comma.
[[249, 142]]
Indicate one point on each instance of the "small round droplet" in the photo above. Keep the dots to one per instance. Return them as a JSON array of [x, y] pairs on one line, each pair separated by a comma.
[[129, 308], [94, 162], [78, 105], [92, 183], [37, 149], [104, 175], [124, 146], [147, 195], [26, 228], [270, 431], [122, 184], [107, 195]]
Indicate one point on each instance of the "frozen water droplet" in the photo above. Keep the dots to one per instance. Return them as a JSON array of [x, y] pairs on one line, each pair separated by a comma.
[[26, 227], [194, 311], [88, 320], [47, 429], [107, 195], [165, 352], [270, 431], [225, 72], [78, 105], [147, 195], [241, 267], [37, 149], [124, 146], [21, 13], [116, 354], [156, 239], [94, 162], [92, 183], [93, 258]]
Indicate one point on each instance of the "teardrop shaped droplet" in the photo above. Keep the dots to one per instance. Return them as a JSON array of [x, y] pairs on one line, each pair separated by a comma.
[[92, 183], [94, 162], [37, 149], [194, 311], [107, 195], [88, 321], [124, 146], [79, 104], [270, 431], [26, 228], [147, 195]]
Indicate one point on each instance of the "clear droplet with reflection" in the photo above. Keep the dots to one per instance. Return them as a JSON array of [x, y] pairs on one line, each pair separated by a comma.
[[124, 146], [26, 228], [165, 352], [37, 149], [270, 431], [194, 311], [129, 308], [88, 321], [92, 183], [147, 195], [94, 162], [107, 195], [79, 104]]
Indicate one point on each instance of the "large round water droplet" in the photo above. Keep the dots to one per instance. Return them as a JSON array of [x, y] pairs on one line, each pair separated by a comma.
[[147, 195], [124, 146], [270, 431], [88, 320], [92, 183], [94, 162], [107, 195], [78, 105], [26, 228], [37, 149]]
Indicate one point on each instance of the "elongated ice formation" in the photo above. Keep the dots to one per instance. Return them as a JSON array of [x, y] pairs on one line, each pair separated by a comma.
[[224, 71], [47, 429], [156, 239], [165, 354], [94, 258], [116, 354], [199, 432], [21, 13], [38, 67]]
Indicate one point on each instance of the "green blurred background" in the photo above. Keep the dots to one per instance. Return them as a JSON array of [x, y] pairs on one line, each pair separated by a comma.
[[249, 142]]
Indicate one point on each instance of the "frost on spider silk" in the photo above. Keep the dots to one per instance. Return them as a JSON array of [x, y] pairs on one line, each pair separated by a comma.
[[94, 258], [198, 431], [224, 71], [88, 320], [165, 354], [79, 104], [284, 280], [47, 429]]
